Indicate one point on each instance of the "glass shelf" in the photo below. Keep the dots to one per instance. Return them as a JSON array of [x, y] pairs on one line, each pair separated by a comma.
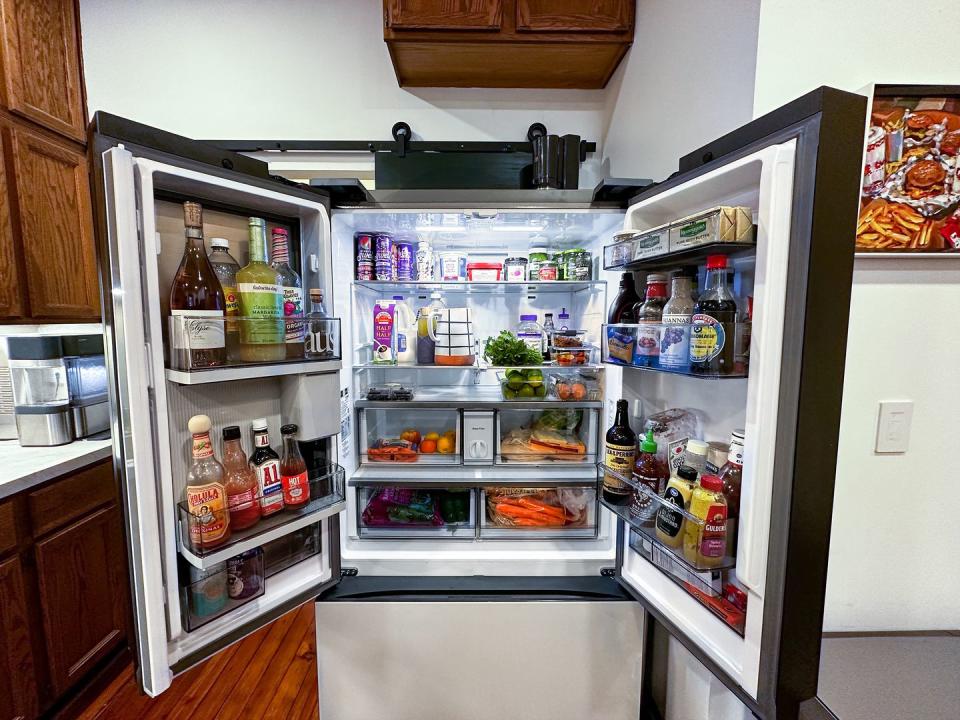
[[480, 367], [496, 287], [648, 532], [466, 396], [619, 257], [327, 497]]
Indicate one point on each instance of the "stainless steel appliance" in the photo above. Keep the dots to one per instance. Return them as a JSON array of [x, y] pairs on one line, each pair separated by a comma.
[[40, 396], [86, 383], [8, 421]]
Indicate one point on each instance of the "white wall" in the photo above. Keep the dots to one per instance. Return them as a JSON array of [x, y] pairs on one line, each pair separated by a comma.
[[851, 43], [888, 569], [291, 69], [687, 80]]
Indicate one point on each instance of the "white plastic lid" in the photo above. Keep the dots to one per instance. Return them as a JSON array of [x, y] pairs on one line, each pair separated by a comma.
[[697, 447], [258, 424], [220, 242]]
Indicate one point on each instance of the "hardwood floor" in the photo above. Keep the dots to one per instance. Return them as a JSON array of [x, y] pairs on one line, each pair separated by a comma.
[[270, 674]]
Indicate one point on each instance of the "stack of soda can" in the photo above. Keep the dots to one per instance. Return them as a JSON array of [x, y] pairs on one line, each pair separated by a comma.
[[381, 256]]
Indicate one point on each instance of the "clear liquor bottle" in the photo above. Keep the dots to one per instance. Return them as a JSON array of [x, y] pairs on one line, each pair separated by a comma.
[[196, 301], [320, 342], [261, 303], [292, 288], [226, 267]]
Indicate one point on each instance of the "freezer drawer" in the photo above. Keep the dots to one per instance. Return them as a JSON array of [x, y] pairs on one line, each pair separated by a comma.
[[546, 437], [406, 512], [518, 513], [405, 436], [560, 659]]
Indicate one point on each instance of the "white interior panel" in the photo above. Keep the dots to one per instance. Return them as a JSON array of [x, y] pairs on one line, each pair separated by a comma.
[[764, 182]]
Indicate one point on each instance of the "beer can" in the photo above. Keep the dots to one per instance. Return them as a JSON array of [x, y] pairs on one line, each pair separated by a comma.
[[403, 249], [875, 160], [363, 242], [383, 256]]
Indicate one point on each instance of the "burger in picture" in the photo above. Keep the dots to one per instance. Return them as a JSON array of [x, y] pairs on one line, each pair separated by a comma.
[[925, 178], [950, 144], [921, 127]]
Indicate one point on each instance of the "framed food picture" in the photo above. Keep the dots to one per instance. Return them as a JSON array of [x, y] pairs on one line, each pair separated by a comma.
[[910, 199]]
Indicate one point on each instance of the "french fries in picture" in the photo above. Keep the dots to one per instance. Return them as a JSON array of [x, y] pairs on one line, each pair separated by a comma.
[[891, 226]]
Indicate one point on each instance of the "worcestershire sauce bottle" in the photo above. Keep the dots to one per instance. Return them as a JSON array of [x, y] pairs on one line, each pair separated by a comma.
[[713, 333], [621, 452]]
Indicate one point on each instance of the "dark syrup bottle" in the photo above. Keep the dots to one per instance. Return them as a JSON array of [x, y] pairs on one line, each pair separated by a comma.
[[713, 334]]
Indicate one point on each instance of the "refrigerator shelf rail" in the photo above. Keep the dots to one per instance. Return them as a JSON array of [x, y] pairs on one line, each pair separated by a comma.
[[484, 287], [623, 256], [623, 345], [327, 497], [647, 530], [183, 339]]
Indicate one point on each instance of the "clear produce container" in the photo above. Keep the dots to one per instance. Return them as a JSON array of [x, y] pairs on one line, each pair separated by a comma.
[[430, 511], [545, 437], [407, 436], [564, 512]]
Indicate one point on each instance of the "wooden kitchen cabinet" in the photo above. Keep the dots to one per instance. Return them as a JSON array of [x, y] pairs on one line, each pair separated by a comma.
[[42, 78], [81, 576], [507, 43], [11, 266], [52, 190], [18, 686]]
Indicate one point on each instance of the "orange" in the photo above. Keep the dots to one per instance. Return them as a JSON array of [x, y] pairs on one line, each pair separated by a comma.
[[428, 446], [445, 445], [432, 436]]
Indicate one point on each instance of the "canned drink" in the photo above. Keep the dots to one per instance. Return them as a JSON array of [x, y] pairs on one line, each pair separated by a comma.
[[875, 160], [363, 242], [383, 256], [405, 259]]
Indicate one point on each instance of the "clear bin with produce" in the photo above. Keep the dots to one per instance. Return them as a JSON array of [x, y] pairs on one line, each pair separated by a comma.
[[574, 387], [405, 436], [542, 437], [512, 512], [522, 384], [393, 511]]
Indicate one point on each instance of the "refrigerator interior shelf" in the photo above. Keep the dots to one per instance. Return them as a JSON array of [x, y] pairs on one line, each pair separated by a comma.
[[470, 396], [230, 373], [497, 287], [657, 504], [327, 497], [478, 367], [616, 259], [626, 345]]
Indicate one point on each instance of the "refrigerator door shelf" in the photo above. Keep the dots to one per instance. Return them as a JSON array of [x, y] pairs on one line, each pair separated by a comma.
[[327, 497], [763, 181]]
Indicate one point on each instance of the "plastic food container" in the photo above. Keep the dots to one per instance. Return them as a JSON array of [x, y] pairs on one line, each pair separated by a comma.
[[537, 255], [548, 271], [515, 269], [573, 387], [568, 347], [488, 271], [453, 266], [579, 265]]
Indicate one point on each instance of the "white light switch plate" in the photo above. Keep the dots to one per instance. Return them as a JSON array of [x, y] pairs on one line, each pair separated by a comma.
[[893, 426]]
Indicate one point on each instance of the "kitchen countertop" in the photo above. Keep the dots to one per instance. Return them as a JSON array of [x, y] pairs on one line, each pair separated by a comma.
[[24, 467]]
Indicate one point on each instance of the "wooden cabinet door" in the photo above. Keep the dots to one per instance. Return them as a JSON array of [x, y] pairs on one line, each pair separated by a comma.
[[443, 14], [10, 267], [575, 15], [83, 592], [18, 688], [56, 226], [41, 64]]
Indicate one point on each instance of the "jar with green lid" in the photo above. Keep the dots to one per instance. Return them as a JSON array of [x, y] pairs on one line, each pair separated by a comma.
[[536, 256], [560, 259], [548, 271]]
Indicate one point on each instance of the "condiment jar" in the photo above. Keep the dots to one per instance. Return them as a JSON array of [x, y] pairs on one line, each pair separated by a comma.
[[670, 523], [704, 546]]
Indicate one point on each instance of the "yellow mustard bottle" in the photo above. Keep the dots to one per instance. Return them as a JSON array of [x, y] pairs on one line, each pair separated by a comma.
[[670, 523], [704, 546]]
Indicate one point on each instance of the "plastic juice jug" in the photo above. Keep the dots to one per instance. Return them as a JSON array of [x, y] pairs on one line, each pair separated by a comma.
[[427, 329], [406, 332]]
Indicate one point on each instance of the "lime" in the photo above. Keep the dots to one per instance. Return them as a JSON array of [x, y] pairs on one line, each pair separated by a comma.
[[509, 393], [540, 391], [515, 375], [515, 384], [526, 392]]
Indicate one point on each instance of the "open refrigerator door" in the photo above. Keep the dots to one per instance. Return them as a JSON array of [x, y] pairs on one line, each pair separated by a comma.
[[732, 559], [200, 578]]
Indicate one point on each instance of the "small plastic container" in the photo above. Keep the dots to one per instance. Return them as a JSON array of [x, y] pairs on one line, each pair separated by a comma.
[[548, 271], [484, 271], [537, 255], [515, 269], [453, 266], [531, 332]]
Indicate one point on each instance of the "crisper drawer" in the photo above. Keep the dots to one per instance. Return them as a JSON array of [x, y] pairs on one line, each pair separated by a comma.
[[516, 513], [542, 437], [404, 436], [404, 511]]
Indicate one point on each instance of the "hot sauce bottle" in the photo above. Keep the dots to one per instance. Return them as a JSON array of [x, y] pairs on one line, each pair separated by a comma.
[[266, 464], [205, 491], [293, 470]]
